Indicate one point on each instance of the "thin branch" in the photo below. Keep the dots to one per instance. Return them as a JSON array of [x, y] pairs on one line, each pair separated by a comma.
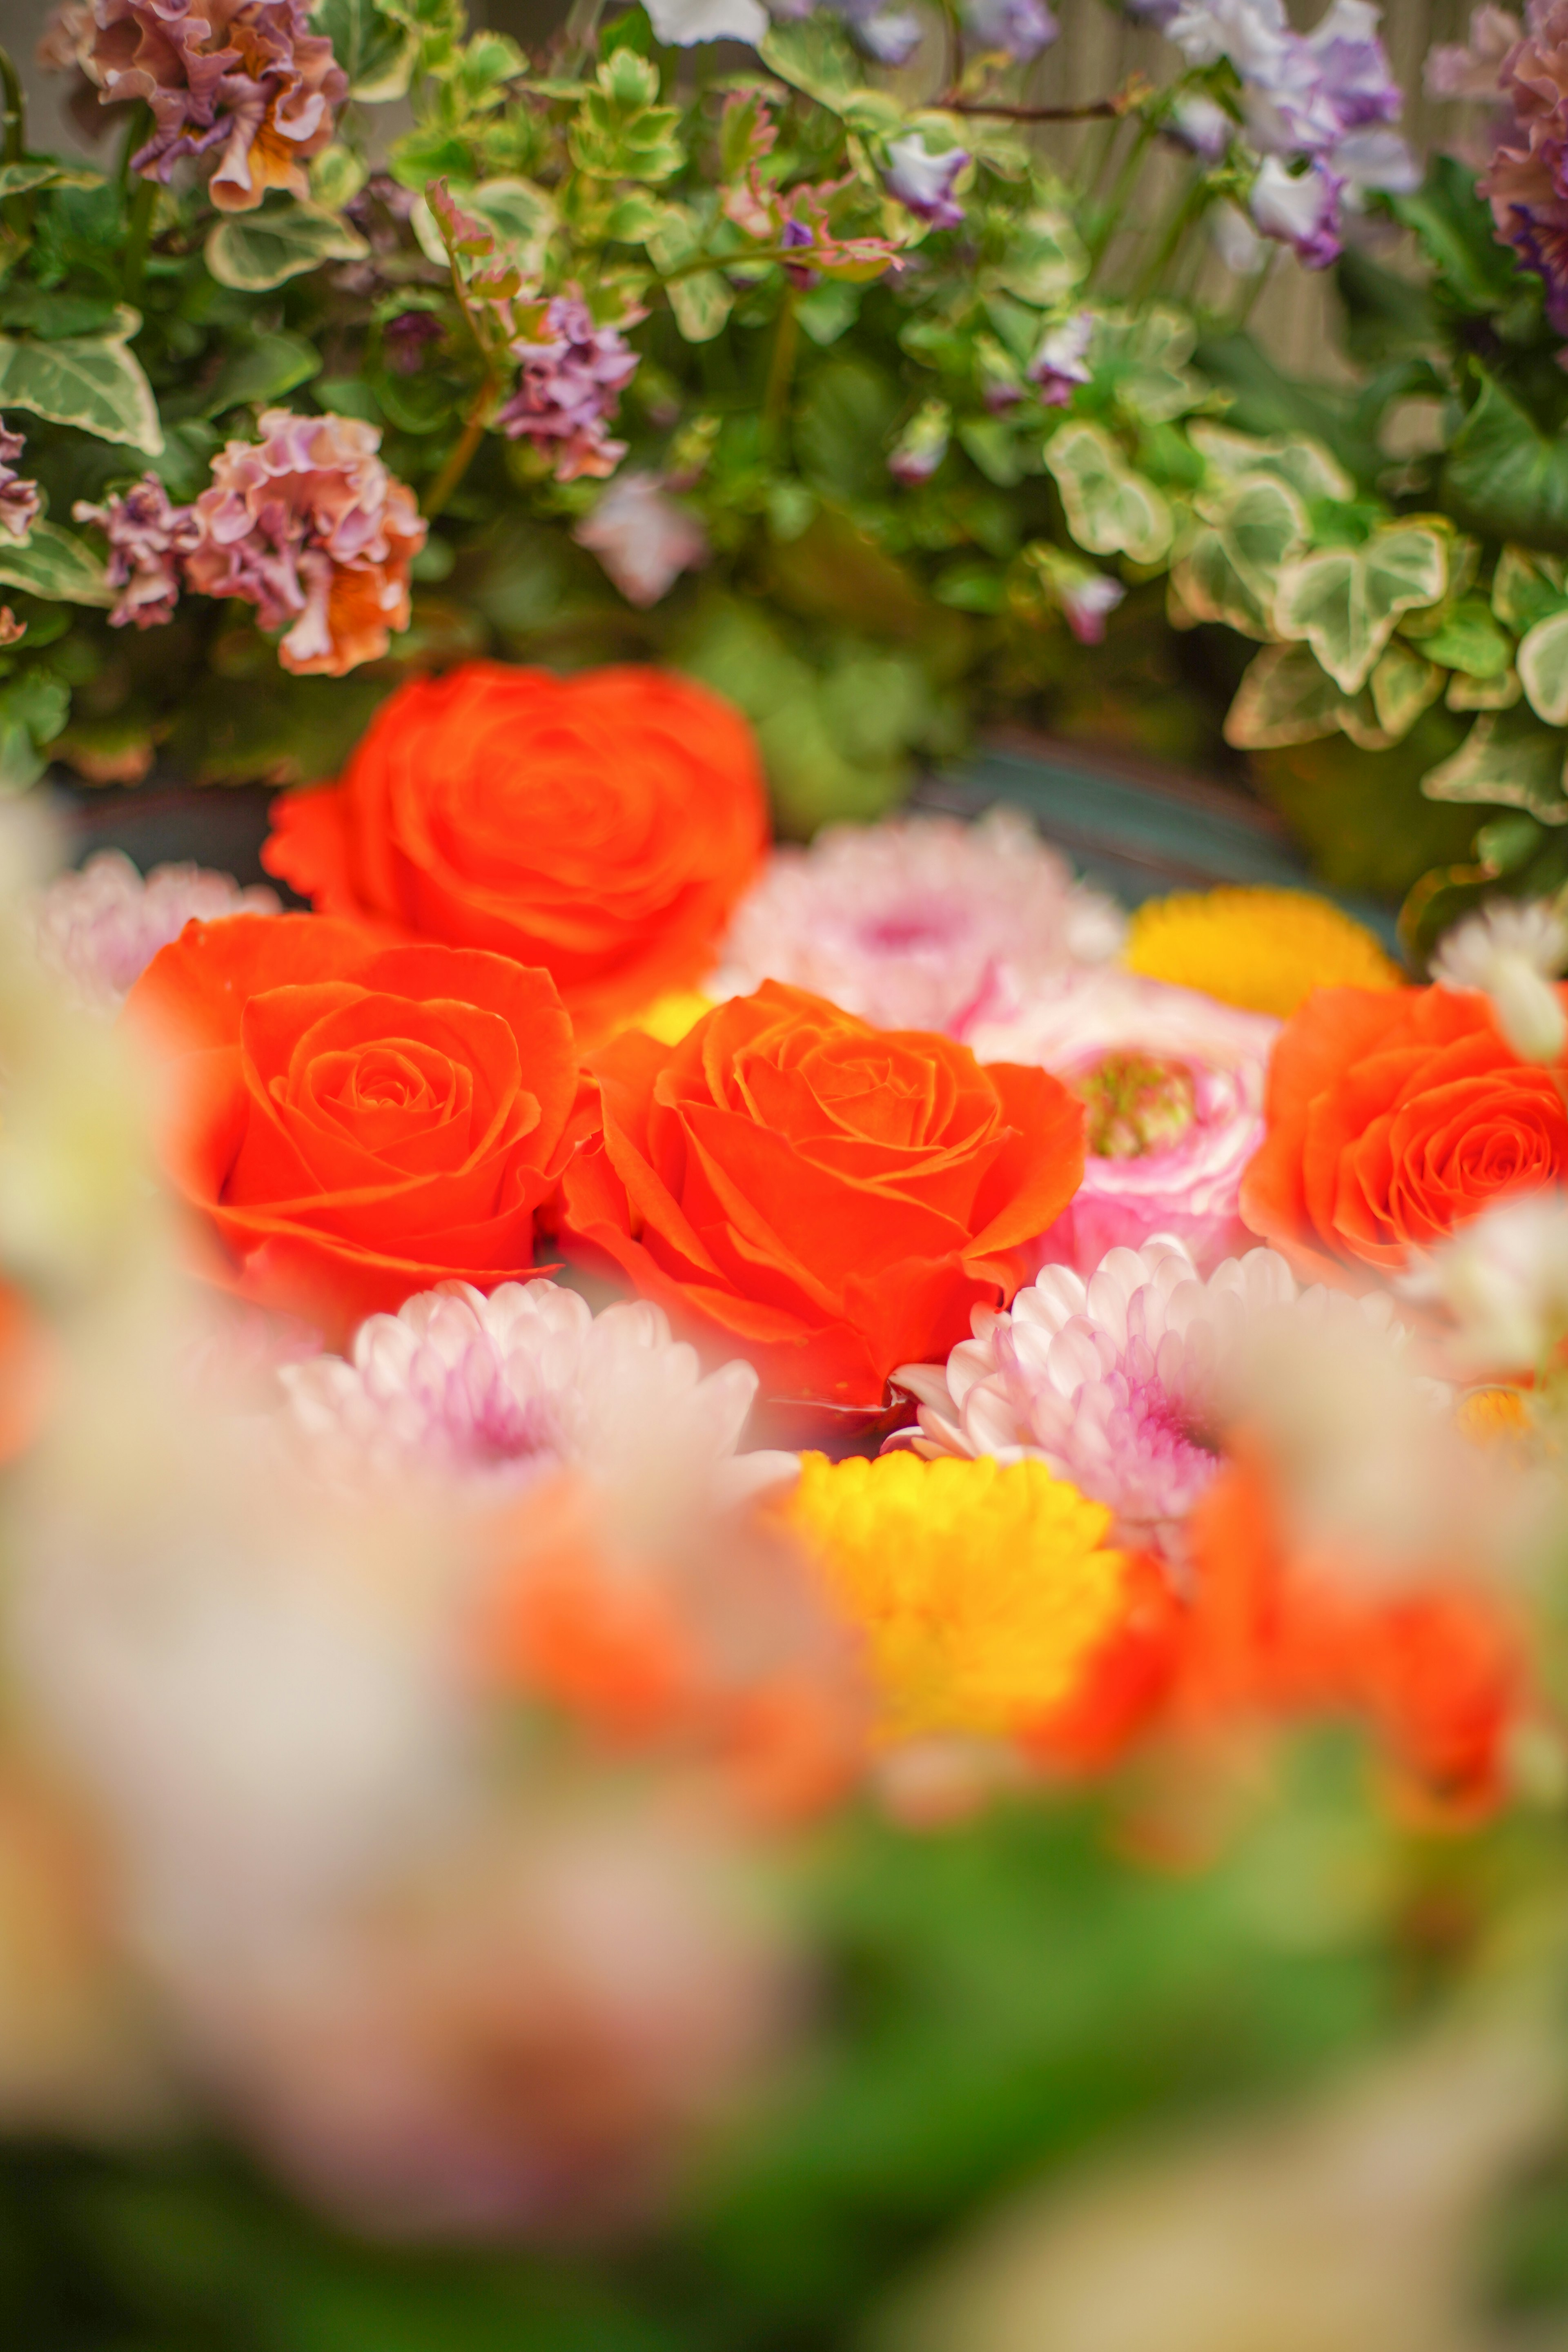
[[1098, 110]]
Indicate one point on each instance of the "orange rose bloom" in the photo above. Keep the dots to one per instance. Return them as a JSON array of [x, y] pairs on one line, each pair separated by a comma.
[[359, 1123], [1394, 1117], [601, 827], [828, 1198]]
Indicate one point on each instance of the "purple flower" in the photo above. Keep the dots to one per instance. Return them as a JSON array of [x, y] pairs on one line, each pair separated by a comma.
[[924, 182], [98, 929], [1526, 184], [567, 387], [244, 79], [1021, 27], [20, 499], [1472, 71], [148, 541], [891, 35], [1201, 125], [308, 525], [1352, 66], [1301, 210], [922, 444], [1060, 364], [408, 338], [644, 539]]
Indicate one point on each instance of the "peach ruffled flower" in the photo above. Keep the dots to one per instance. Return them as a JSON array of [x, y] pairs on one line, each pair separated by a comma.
[[308, 525], [1526, 184], [245, 80]]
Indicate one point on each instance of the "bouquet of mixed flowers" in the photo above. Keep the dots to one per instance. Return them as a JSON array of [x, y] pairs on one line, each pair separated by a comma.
[[625, 1452]]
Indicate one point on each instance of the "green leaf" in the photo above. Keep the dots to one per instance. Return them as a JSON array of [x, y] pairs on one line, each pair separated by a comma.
[[1205, 585], [18, 179], [1286, 697], [1344, 600], [1526, 587], [700, 304], [1402, 686], [994, 446], [522, 217], [1110, 510], [1143, 356], [1263, 525], [813, 53], [1505, 479], [847, 413], [1293, 457], [57, 564], [89, 381], [262, 371], [376, 51], [1499, 693], [1467, 638], [621, 132], [1045, 259], [1508, 757], [1456, 231], [1542, 663], [254, 251]]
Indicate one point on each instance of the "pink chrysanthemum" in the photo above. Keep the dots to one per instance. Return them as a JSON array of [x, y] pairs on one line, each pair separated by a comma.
[[99, 929], [245, 78], [1172, 1082], [1123, 1383], [457, 1383], [923, 923], [308, 525]]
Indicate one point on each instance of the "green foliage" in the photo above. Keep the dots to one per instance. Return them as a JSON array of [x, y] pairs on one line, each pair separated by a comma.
[[1506, 477], [255, 251], [91, 382]]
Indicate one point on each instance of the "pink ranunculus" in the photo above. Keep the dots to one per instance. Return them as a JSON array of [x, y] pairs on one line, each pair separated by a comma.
[[920, 923], [99, 929], [308, 525], [1173, 1085], [245, 80]]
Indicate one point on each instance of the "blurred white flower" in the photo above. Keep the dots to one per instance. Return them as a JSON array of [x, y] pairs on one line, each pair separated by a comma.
[[642, 539], [1512, 949], [918, 923], [99, 929], [1504, 1279], [684, 22]]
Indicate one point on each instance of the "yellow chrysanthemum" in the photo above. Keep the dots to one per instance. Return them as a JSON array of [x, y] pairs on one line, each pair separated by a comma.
[[1265, 950], [982, 1588], [669, 1017]]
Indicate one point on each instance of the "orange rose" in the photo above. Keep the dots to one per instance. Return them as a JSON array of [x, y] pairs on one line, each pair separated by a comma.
[[357, 1122], [1394, 1117], [830, 1198], [601, 827]]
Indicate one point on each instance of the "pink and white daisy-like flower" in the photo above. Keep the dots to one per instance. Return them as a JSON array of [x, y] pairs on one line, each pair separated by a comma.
[[1123, 1383], [99, 929], [921, 923], [1173, 1085], [456, 1384]]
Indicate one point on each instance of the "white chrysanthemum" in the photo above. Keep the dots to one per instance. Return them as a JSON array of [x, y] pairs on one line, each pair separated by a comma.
[[99, 929], [1122, 1383], [1504, 1279], [459, 1383], [1512, 949], [920, 923]]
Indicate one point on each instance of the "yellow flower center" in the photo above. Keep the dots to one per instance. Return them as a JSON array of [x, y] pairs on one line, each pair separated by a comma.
[[983, 1587], [1265, 950]]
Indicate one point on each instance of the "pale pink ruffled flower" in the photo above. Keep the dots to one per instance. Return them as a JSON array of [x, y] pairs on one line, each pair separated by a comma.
[[528, 1378], [1174, 1084], [920, 923], [1123, 1383], [642, 539], [569, 383], [19, 499], [308, 525], [99, 929], [148, 537], [246, 79]]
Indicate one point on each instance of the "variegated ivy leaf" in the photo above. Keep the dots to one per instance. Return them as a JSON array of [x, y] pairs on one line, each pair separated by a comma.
[[1542, 663], [1044, 258], [89, 381], [1526, 588], [255, 251], [1344, 600], [1465, 637], [702, 300], [1264, 527], [1143, 356], [1403, 685], [1499, 693], [1110, 510], [57, 564], [1205, 585], [1305, 464], [1508, 758], [522, 217], [1286, 697]]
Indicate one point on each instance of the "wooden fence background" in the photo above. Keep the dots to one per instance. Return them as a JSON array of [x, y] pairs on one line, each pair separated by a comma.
[[1096, 50]]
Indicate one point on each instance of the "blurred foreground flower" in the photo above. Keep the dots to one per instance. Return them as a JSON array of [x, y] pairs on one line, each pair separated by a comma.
[[1512, 951], [1504, 1280], [918, 923], [642, 539], [1263, 950], [1173, 1087], [99, 928]]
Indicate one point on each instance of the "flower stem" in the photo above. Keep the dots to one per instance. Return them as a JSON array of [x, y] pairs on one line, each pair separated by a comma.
[[460, 455], [138, 236], [1105, 229], [15, 116], [1186, 212], [1094, 109], [781, 369]]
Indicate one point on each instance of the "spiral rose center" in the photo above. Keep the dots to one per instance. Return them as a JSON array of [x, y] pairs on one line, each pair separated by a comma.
[[1135, 1104]]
